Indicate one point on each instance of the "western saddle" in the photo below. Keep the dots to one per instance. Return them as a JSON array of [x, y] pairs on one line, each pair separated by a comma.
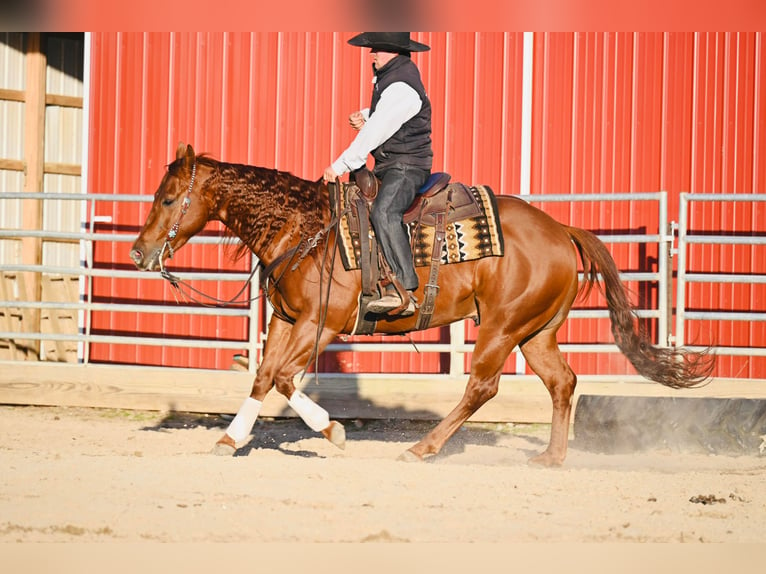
[[437, 203]]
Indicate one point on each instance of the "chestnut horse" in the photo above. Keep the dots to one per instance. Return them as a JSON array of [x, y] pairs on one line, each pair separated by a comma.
[[521, 298]]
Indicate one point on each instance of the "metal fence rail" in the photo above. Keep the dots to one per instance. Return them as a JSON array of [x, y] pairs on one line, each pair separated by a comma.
[[456, 347], [86, 271], [686, 238]]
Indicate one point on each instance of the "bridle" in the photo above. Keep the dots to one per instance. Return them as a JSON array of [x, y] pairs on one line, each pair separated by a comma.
[[175, 281], [268, 282], [173, 231]]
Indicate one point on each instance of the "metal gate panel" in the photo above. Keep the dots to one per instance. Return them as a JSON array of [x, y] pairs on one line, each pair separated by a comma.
[[744, 349], [644, 111]]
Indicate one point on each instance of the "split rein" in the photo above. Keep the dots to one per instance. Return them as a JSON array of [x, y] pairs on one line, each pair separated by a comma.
[[191, 292]]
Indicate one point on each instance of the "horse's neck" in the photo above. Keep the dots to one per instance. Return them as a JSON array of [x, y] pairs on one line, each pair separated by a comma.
[[257, 208]]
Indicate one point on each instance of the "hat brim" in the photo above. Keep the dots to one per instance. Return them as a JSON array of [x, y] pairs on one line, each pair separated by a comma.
[[363, 41]]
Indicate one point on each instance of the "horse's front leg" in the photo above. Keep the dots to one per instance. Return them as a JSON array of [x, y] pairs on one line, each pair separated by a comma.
[[242, 424], [288, 348], [302, 341]]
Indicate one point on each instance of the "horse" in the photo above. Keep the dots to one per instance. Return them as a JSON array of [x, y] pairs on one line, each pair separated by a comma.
[[521, 298]]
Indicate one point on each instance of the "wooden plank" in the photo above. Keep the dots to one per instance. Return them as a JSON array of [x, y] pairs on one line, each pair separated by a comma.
[[64, 101], [48, 167], [12, 95], [62, 168], [63, 289], [12, 164], [34, 131], [118, 386], [12, 288], [223, 392], [520, 399], [50, 99]]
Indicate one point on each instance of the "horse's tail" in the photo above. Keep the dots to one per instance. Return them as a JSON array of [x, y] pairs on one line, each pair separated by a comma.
[[676, 368]]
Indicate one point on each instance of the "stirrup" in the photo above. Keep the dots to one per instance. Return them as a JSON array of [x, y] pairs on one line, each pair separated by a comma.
[[392, 304]]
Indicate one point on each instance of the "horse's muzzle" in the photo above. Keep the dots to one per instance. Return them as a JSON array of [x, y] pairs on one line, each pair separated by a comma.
[[143, 262], [137, 257]]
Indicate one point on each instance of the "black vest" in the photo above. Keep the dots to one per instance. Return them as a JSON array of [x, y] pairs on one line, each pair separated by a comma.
[[411, 144]]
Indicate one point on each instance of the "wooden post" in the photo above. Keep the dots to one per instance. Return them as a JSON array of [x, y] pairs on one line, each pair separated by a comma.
[[34, 151]]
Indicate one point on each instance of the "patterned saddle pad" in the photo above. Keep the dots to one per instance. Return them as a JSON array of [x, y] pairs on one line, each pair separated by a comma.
[[467, 238]]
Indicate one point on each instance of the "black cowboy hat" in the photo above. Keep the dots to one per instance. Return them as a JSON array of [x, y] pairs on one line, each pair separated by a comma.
[[388, 42]]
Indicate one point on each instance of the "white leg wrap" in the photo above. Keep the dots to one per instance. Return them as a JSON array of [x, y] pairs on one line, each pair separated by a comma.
[[240, 427], [312, 414]]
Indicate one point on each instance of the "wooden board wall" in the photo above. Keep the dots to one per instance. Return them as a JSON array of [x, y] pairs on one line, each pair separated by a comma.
[[56, 288]]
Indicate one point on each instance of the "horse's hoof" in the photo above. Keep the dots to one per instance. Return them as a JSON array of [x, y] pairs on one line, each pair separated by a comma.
[[547, 460], [409, 456], [223, 449], [336, 434]]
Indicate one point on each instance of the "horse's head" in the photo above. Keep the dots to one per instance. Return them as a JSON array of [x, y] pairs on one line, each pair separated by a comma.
[[178, 213]]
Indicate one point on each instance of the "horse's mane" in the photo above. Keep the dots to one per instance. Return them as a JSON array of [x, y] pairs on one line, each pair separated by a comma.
[[262, 201]]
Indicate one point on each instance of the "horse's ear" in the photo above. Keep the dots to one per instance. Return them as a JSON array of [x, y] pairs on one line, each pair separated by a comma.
[[186, 153], [190, 157]]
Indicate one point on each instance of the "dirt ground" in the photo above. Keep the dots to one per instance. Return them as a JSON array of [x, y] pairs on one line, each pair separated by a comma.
[[95, 475]]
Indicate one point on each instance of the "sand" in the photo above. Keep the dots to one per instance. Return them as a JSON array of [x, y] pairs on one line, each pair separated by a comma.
[[105, 475]]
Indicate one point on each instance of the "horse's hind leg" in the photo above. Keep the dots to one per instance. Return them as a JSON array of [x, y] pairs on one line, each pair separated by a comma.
[[490, 352], [545, 359], [477, 392]]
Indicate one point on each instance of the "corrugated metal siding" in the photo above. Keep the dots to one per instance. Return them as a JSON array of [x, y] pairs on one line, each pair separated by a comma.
[[12, 77], [63, 144], [649, 112], [727, 142], [611, 113], [62, 140]]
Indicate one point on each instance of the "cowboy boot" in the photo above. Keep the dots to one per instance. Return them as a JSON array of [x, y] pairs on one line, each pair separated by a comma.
[[390, 302]]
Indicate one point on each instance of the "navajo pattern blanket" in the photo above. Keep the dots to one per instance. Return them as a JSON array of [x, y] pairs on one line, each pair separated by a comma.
[[466, 240]]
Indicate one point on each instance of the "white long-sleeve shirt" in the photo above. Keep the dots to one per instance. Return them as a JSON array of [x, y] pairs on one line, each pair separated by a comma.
[[398, 103]]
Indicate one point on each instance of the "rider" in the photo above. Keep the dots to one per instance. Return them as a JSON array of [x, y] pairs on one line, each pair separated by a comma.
[[396, 129]]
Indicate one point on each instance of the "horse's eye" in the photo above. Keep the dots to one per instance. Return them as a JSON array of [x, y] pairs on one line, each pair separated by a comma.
[[168, 202]]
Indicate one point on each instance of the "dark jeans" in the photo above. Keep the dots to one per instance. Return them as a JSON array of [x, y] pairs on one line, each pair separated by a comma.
[[399, 185]]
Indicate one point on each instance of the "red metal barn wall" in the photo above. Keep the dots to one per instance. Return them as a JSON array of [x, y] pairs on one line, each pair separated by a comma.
[[649, 112], [610, 113]]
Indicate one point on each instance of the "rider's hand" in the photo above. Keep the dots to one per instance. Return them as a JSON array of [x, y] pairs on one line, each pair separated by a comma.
[[329, 175], [356, 119]]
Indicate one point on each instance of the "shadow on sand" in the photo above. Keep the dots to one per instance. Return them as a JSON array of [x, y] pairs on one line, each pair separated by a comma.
[[388, 425], [276, 433]]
